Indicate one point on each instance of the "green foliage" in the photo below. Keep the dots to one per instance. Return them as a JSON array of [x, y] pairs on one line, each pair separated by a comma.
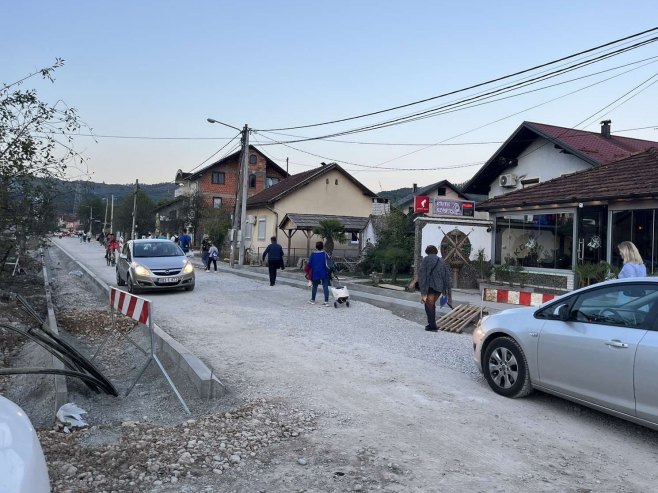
[[35, 151], [590, 273], [394, 249], [145, 218], [330, 230], [216, 223], [91, 208]]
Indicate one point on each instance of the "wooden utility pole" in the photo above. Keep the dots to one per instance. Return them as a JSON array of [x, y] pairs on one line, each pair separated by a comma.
[[112, 216], [132, 234], [107, 203]]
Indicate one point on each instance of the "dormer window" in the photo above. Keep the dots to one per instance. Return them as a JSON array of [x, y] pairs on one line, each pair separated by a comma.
[[253, 159]]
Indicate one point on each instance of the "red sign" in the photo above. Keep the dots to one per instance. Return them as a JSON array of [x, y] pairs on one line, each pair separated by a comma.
[[422, 204]]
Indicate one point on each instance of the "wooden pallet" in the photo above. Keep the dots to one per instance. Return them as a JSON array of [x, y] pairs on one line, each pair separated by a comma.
[[458, 318]]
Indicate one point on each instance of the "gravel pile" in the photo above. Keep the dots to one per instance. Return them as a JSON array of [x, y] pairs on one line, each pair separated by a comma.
[[143, 457]]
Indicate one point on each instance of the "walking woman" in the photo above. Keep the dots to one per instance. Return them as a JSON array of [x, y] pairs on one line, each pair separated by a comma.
[[317, 262], [633, 264], [433, 281]]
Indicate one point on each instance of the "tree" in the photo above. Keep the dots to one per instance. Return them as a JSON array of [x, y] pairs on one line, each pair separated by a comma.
[[36, 148], [91, 207], [216, 223], [330, 230], [395, 244], [145, 220]]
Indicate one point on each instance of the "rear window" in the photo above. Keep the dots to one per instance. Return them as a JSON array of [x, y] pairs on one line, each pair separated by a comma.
[[157, 249]]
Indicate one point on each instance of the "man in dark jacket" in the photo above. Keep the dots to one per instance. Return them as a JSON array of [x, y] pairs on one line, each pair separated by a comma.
[[274, 254]]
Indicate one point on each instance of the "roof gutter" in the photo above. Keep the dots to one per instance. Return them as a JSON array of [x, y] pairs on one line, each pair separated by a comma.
[[276, 222]]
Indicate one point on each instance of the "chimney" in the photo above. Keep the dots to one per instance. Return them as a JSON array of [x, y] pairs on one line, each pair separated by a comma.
[[605, 128], [415, 187]]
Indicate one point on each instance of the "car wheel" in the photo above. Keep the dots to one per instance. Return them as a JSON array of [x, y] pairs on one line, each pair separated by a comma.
[[335, 305], [347, 303], [189, 288], [131, 286], [506, 368], [120, 282]]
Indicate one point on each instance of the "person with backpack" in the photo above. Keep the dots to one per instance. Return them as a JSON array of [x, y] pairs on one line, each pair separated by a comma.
[[433, 281], [319, 265], [185, 242], [213, 255], [274, 254]]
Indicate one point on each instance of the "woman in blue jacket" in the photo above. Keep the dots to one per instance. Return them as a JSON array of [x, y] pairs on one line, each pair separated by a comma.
[[317, 262]]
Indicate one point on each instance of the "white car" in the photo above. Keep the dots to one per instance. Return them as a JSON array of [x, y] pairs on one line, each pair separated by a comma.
[[22, 464]]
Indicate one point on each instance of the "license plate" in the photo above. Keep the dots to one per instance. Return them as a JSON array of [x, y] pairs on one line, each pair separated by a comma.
[[168, 280]]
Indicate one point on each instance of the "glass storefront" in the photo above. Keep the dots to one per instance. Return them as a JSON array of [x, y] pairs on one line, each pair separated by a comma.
[[638, 226], [535, 240]]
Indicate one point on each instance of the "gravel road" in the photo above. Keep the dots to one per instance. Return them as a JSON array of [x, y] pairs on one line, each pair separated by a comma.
[[399, 409]]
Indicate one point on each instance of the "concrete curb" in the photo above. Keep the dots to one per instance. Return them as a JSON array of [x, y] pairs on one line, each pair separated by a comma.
[[61, 389], [203, 379]]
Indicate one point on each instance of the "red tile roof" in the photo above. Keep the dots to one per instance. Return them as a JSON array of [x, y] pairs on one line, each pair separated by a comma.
[[631, 178], [593, 144]]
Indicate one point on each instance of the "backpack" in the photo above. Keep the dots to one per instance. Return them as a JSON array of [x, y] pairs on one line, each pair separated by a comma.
[[330, 264]]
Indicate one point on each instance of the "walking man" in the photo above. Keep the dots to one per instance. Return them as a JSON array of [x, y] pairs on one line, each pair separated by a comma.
[[185, 241], [274, 254]]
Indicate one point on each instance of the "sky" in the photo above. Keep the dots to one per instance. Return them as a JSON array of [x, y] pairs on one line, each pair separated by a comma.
[[161, 68]]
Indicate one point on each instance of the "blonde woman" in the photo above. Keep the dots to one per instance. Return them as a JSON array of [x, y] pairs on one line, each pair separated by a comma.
[[633, 265]]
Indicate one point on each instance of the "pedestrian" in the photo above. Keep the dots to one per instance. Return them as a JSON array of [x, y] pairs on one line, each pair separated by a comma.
[[317, 263], [213, 255], [433, 281], [274, 254], [633, 264], [89, 236], [185, 241], [82, 236], [205, 246]]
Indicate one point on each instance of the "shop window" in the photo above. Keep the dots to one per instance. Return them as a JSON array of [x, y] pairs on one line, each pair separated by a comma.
[[638, 226], [535, 240], [216, 202], [217, 178], [253, 159]]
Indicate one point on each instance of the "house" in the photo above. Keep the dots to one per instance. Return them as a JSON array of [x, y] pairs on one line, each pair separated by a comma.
[[551, 228], [294, 206], [441, 190], [537, 152], [214, 187]]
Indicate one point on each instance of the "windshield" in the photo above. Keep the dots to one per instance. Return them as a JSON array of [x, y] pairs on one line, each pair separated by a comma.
[[157, 249]]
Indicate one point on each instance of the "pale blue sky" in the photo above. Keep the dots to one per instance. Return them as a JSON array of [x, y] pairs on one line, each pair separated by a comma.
[[160, 68]]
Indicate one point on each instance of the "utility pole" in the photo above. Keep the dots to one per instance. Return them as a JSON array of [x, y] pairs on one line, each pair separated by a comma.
[[245, 180], [286, 165], [132, 234], [107, 202], [91, 227], [112, 216]]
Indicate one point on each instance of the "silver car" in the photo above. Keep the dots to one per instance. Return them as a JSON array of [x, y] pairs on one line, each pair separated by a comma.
[[154, 264], [597, 346]]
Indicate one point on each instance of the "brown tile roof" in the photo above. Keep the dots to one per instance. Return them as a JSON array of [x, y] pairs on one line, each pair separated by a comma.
[[190, 176], [591, 147], [294, 182], [633, 177]]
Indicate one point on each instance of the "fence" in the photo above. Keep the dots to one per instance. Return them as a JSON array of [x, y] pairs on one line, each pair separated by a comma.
[[301, 253]]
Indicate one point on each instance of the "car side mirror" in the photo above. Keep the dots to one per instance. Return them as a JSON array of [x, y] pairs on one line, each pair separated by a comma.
[[563, 313]]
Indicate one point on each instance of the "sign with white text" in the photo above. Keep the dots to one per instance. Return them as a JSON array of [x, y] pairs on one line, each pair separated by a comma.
[[444, 207], [422, 204]]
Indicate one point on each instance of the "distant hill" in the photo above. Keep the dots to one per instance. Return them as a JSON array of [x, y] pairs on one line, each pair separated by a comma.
[[67, 191], [394, 195]]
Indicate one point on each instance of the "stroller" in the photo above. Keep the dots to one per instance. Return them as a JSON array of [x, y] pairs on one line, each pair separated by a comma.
[[340, 294]]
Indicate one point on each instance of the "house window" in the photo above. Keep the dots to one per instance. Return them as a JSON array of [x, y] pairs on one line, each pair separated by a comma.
[[252, 181], [336, 183], [216, 202], [218, 177], [253, 159], [355, 238], [262, 227], [441, 192], [248, 227], [535, 240], [271, 180]]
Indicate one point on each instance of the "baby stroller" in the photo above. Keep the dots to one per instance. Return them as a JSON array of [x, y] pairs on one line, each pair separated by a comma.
[[339, 293]]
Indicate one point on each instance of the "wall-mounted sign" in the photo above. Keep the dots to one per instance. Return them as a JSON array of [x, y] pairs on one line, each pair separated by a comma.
[[422, 204], [453, 208]]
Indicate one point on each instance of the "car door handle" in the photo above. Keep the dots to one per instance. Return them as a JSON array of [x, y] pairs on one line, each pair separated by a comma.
[[616, 343]]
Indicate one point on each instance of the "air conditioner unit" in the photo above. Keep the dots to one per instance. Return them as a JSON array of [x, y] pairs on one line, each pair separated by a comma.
[[251, 219], [507, 181]]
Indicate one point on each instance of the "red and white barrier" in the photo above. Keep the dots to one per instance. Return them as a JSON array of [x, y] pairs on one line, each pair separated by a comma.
[[513, 297], [130, 305]]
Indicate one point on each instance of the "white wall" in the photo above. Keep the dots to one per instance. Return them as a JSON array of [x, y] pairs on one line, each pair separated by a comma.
[[433, 234], [540, 160]]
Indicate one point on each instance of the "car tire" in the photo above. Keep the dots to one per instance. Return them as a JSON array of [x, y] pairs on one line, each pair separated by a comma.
[[189, 288], [131, 286], [506, 368], [120, 282]]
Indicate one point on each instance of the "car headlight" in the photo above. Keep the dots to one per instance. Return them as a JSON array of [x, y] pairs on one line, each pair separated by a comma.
[[140, 270], [188, 269]]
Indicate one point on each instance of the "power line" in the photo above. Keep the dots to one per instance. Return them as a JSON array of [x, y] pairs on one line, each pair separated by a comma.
[[145, 137], [617, 41], [215, 153]]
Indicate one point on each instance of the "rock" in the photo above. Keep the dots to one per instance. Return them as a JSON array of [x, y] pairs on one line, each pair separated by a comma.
[[217, 471], [235, 458], [186, 458], [357, 487], [70, 470], [302, 461], [174, 479], [153, 468], [157, 483]]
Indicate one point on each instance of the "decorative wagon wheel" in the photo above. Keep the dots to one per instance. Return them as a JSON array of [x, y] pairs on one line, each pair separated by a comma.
[[456, 249]]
